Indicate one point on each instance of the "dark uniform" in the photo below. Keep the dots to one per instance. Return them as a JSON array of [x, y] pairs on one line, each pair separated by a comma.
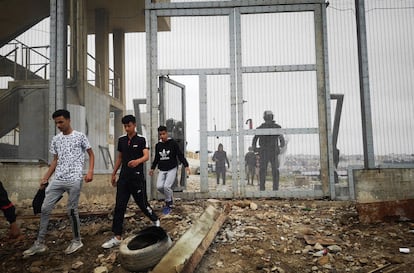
[[269, 150]]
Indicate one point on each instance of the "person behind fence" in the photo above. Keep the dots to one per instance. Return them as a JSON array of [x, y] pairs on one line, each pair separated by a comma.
[[269, 150], [250, 165], [133, 152], [9, 212], [167, 152], [68, 149], [220, 157]]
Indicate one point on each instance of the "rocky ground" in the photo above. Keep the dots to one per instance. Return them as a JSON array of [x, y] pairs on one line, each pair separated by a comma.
[[258, 236]]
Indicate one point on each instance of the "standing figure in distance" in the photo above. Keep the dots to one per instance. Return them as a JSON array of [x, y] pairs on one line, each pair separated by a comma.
[[9, 212], [132, 153], [269, 150], [167, 152], [250, 165], [220, 157], [68, 149]]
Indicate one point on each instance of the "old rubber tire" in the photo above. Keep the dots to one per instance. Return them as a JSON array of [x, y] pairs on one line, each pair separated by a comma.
[[145, 249]]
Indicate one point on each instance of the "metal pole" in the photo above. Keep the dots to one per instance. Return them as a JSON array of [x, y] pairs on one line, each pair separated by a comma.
[[369, 159]]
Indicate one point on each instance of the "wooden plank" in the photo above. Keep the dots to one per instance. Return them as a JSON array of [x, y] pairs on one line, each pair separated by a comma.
[[195, 259], [189, 249]]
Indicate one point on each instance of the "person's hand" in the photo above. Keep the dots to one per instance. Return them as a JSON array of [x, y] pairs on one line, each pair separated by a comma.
[[43, 183], [133, 163], [188, 170], [89, 177], [151, 172], [113, 180], [14, 231]]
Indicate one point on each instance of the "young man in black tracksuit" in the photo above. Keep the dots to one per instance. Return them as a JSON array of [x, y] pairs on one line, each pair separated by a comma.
[[132, 153], [167, 152]]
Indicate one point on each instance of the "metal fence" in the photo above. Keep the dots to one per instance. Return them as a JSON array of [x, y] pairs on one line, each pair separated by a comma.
[[200, 44]]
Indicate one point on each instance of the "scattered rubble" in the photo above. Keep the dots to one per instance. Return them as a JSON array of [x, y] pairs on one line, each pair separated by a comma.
[[259, 235]]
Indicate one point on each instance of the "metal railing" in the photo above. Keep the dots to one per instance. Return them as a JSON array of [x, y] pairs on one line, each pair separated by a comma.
[[35, 60], [114, 83]]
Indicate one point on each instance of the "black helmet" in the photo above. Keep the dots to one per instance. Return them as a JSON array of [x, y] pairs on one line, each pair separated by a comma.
[[268, 115]]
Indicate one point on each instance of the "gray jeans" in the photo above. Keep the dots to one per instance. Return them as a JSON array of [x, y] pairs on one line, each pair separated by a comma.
[[53, 194], [165, 181]]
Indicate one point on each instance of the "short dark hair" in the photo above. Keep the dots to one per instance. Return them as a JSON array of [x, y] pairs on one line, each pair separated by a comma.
[[162, 128], [61, 113], [128, 118]]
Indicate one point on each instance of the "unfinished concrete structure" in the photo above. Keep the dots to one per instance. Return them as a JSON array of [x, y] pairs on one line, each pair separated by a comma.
[[28, 102]]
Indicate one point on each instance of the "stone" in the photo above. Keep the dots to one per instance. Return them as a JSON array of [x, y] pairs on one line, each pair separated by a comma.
[[323, 260], [77, 265], [334, 248], [101, 269], [253, 206]]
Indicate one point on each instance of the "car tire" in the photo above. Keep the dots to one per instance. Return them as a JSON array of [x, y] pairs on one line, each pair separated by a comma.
[[145, 249]]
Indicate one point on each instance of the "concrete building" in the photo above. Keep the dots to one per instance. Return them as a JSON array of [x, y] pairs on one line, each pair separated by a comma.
[[30, 99]]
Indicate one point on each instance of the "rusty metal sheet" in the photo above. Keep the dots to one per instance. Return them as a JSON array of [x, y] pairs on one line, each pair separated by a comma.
[[400, 210]]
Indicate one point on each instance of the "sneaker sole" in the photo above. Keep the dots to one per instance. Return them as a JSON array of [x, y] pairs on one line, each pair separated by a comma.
[[73, 250], [111, 246], [34, 253]]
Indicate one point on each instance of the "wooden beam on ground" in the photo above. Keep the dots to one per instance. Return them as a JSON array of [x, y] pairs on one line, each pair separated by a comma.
[[188, 251]]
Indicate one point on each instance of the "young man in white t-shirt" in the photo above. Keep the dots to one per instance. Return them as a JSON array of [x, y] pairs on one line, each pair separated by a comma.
[[68, 149]]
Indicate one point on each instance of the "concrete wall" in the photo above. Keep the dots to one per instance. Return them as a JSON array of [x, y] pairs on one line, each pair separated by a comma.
[[33, 120], [97, 106], [22, 181], [379, 185], [384, 194]]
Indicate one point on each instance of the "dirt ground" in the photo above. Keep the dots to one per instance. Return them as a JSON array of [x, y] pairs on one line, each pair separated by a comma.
[[258, 236]]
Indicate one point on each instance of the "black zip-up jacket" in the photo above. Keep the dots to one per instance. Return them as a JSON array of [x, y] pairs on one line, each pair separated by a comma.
[[166, 155]]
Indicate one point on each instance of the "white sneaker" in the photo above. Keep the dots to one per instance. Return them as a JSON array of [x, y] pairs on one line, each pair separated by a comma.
[[111, 243], [35, 248], [156, 223], [74, 246]]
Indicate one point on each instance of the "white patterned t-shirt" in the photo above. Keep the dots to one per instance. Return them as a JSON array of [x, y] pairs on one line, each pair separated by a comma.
[[70, 150]]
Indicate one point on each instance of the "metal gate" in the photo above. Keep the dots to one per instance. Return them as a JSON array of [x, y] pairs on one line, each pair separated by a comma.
[[172, 114], [234, 87]]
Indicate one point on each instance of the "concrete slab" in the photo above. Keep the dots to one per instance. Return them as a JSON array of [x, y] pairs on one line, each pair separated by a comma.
[[187, 252]]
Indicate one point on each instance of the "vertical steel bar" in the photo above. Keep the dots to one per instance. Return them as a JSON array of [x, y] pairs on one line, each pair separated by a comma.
[[367, 136]]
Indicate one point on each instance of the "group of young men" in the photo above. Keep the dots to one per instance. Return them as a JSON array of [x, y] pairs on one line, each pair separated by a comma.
[[68, 149]]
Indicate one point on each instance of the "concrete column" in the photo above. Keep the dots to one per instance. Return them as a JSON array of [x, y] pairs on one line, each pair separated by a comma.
[[119, 64], [82, 49], [79, 42], [325, 136], [58, 62], [118, 130], [102, 49]]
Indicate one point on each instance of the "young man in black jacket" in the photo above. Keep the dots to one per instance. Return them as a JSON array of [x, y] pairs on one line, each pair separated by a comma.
[[167, 152]]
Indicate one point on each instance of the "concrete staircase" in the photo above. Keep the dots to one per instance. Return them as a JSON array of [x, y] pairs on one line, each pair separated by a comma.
[[9, 110], [17, 16], [8, 68]]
